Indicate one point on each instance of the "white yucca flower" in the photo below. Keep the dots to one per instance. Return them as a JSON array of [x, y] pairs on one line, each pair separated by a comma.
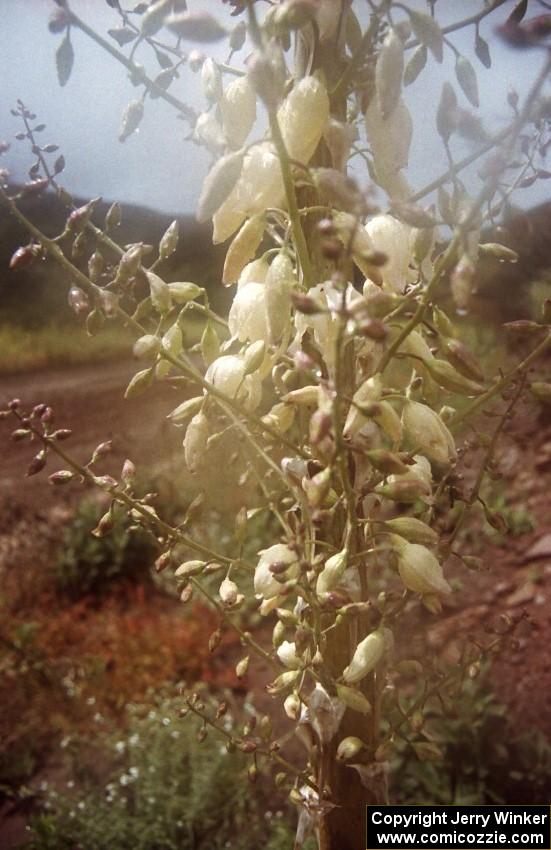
[[366, 656], [264, 582], [391, 236], [247, 319], [208, 132], [302, 117], [420, 570], [280, 280], [254, 272], [195, 441], [425, 430], [390, 138], [227, 374], [238, 110], [287, 654], [229, 593], [259, 186]]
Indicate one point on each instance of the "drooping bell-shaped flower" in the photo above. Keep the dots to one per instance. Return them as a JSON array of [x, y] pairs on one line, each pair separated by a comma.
[[247, 319], [287, 654], [195, 441], [302, 117], [227, 374], [265, 584], [366, 656], [390, 137], [392, 238], [238, 110]]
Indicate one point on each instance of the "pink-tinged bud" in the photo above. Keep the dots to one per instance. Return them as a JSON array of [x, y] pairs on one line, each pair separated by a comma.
[[20, 434], [61, 434], [62, 476], [163, 561], [105, 481], [186, 594], [373, 329], [248, 746], [102, 450], [215, 640], [38, 410], [195, 60], [48, 415], [23, 257], [37, 464], [128, 472], [306, 304], [14, 404], [242, 667], [104, 526], [59, 20], [35, 187]]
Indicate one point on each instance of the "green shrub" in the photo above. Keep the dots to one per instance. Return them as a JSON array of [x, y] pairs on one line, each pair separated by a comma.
[[87, 564], [156, 787], [484, 758]]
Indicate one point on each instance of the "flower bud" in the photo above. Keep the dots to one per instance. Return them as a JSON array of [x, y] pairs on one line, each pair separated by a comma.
[[283, 681], [420, 570], [332, 572], [292, 706], [146, 346], [302, 117], [195, 441], [424, 428], [354, 699], [412, 529], [243, 248], [190, 568], [366, 656], [62, 476], [446, 376], [185, 410], [211, 80], [242, 667], [349, 748], [229, 592], [169, 241]]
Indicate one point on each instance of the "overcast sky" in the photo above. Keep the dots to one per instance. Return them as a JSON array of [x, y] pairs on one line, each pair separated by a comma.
[[156, 166]]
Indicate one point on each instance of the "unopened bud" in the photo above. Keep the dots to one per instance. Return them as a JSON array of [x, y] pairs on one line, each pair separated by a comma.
[[349, 748]]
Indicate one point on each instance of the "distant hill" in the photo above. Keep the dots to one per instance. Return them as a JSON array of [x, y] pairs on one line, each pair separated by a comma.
[[38, 294]]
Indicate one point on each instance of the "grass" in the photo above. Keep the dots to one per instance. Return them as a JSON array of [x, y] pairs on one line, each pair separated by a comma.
[[54, 345]]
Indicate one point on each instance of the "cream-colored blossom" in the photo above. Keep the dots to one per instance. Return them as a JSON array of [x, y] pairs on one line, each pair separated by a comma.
[[391, 236], [227, 374], [238, 110], [264, 582], [420, 570], [302, 117]]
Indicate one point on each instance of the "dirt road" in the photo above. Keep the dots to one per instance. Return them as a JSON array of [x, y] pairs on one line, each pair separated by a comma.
[[88, 400]]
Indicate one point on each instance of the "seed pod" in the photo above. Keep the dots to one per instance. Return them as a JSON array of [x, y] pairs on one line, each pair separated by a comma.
[[354, 699], [412, 529], [366, 656], [420, 570], [332, 572], [349, 748], [388, 73]]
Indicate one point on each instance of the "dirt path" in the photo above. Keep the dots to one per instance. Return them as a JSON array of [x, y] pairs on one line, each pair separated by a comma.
[[88, 400]]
